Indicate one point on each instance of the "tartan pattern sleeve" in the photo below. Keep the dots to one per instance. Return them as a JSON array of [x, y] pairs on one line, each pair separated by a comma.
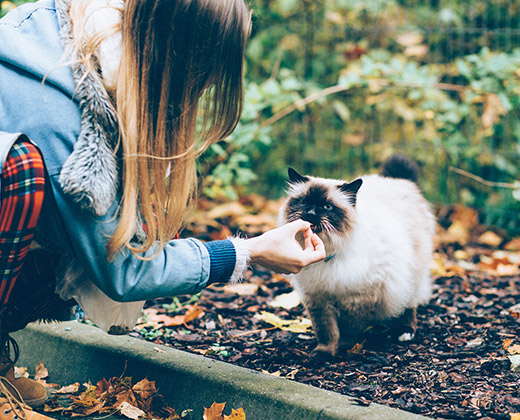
[[21, 199]]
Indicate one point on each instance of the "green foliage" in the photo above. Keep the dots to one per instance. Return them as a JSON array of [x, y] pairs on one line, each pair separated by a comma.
[[6, 6], [436, 80]]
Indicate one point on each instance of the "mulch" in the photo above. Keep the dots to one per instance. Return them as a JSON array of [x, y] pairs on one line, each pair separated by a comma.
[[457, 366]]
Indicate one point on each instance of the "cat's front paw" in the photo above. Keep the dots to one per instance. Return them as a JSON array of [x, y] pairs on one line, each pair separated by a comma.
[[323, 353]]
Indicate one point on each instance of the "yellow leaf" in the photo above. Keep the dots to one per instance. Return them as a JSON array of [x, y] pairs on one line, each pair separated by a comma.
[[515, 416], [236, 415], [214, 412], [296, 326]]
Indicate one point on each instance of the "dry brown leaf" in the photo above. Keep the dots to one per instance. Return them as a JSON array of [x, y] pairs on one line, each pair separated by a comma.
[[409, 39], [490, 238], [131, 411], [236, 415], [242, 289], [457, 233], [21, 371], [69, 389], [514, 311], [416, 50], [192, 313], [513, 245], [506, 343], [232, 209], [466, 216], [514, 349], [145, 389], [214, 412], [286, 301], [352, 139], [41, 372], [493, 110]]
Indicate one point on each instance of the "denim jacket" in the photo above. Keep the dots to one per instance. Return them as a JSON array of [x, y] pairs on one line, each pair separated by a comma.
[[52, 115]]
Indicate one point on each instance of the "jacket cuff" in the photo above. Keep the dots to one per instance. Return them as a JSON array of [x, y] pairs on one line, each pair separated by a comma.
[[242, 256], [229, 260], [222, 257]]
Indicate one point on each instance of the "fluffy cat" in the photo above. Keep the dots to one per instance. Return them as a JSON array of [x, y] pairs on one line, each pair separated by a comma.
[[378, 234]]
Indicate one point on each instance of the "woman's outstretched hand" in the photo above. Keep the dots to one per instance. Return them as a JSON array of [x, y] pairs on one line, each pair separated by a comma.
[[280, 251]]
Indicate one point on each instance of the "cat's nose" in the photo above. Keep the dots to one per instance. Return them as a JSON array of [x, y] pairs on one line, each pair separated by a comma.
[[311, 212]]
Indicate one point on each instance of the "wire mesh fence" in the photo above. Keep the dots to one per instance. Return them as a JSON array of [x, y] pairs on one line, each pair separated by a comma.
[[415, 59]]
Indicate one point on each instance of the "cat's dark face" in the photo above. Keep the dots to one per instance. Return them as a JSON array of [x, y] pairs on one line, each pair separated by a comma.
[[323, 203]]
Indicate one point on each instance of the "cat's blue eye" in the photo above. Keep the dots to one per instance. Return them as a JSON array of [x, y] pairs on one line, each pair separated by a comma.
[[327, 207]]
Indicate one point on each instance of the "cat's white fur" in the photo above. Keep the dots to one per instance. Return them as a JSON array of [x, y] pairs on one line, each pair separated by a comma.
[[382, 259]]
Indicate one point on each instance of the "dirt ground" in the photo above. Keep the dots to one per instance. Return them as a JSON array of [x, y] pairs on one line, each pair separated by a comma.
[[462, 363]]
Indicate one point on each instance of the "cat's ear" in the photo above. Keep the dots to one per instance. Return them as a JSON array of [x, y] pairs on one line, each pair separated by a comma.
[[351, 189], [295, 177]]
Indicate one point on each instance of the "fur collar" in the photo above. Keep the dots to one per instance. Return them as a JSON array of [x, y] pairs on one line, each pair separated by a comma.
[[90, 175]]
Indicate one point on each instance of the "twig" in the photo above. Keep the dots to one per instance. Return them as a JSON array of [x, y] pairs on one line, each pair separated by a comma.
[[482, 180], [340, 88], [252, 332], [108, 415]]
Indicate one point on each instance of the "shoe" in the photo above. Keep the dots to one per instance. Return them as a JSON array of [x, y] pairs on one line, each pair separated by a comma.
[[13, 408], [32, 393]]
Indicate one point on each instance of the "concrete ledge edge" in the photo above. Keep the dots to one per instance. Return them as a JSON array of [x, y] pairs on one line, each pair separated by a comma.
[[75, 352]]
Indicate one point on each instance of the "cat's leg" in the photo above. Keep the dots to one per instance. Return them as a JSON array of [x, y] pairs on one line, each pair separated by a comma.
[[324, 322], [405, 325], [351, 328]]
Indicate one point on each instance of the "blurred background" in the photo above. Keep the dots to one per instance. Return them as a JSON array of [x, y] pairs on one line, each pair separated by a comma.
[[333, 87]]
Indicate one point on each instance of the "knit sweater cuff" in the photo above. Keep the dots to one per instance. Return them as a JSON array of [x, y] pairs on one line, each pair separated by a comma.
[[229, 260]]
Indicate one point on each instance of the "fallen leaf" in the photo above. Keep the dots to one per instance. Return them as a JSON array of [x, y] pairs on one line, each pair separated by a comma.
[[490, 238], [231, 209], [130, 411], [41, 372], [356, 348], [69, 389], [214, 412], [277, 373], [513, 245], [409, 39], [286, 301], [493, 110], [192, 313], [514, 349], [242, 289], [236, 415], [514, 311], [302, 325], [21, 371]]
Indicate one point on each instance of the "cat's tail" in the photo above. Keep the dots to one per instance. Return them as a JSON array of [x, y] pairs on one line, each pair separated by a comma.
[[400, 166]]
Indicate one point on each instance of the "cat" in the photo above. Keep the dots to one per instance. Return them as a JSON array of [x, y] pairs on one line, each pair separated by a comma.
[[378, 235]]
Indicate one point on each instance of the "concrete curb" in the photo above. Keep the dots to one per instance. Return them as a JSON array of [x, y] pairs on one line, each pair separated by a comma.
[[75, 352]]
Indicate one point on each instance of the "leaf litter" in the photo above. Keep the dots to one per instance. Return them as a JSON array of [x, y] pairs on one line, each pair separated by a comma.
[[462, 364]]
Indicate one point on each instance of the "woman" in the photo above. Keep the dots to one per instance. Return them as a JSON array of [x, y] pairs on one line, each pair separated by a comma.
[[104, 108]]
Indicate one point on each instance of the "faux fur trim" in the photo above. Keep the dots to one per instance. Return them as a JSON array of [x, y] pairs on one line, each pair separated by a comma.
[[243, 259], [90, 174]]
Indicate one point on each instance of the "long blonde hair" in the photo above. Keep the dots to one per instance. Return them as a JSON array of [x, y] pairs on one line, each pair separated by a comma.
[[179, 89]]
